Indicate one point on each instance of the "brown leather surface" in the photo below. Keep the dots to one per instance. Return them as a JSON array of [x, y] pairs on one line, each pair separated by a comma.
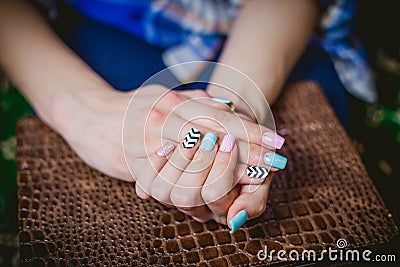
[[70, 214]]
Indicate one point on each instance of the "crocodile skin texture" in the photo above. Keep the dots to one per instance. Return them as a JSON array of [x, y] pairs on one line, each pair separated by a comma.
[[72, 215]]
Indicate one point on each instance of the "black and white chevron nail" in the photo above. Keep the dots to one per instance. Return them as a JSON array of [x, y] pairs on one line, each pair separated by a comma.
[[257, 172], [191, 139]]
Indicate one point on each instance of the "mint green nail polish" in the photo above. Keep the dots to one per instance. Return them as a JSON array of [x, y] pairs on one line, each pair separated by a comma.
[[208, 142], [275, 160], [238, 220]]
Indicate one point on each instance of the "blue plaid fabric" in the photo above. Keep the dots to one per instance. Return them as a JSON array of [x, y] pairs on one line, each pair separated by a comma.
[[195, 30], [345, 50]]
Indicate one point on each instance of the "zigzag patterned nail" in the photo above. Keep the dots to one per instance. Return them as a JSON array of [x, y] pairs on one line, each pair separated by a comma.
[[257, 172], [191, 138]]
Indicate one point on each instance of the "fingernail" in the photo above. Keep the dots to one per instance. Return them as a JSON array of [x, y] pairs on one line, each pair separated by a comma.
[[257, 172], [165, 149], [238, 220], [275, 160], [227, 143], [273, 140], [191, 139], [208, 142], [225, 101]]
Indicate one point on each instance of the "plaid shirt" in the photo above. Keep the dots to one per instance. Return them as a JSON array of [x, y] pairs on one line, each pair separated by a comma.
[[195, 30]]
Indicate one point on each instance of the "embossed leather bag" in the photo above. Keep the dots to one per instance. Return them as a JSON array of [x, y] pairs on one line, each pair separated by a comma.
[[72, 215]]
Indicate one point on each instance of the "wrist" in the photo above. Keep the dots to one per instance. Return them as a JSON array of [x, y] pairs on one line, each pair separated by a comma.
[[72, 108]]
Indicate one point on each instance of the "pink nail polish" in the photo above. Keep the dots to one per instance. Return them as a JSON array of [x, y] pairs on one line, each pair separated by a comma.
[[227, 143], [165, 149], [272, 139]]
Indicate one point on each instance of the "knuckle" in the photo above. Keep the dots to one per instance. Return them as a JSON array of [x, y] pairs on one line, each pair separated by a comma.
[[183, 199], [159, 192], [255, 154], [201, 161], [221, 116], [252, 129], [241, 203], [156, 116], [211, 194], [260, 208], [142, 193], [174, 98]]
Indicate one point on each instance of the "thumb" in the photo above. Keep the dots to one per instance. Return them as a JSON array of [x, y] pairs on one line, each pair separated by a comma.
[[250, 204]]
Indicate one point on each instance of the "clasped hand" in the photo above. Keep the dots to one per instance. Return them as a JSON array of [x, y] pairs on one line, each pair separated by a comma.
[[207, 179]]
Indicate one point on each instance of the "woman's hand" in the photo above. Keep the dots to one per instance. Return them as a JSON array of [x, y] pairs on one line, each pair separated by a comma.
[[201, 182], [249, 194], [112, 130], [72, 99]]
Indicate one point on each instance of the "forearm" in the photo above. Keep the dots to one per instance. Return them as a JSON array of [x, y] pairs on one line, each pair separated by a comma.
[[265, 42], [46, 71]]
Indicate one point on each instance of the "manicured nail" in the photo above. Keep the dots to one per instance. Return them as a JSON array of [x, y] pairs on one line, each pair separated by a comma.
[[275, 160], [208, 142], [227, 143], [165, 149], [273, 140], [238, 220], [191, 139], [225, 101], [257, 172]]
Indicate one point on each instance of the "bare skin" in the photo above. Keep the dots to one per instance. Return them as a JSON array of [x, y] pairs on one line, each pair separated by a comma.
[[77, 103]]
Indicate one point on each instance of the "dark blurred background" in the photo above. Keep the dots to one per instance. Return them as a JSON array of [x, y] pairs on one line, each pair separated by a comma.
[[374, 128]]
